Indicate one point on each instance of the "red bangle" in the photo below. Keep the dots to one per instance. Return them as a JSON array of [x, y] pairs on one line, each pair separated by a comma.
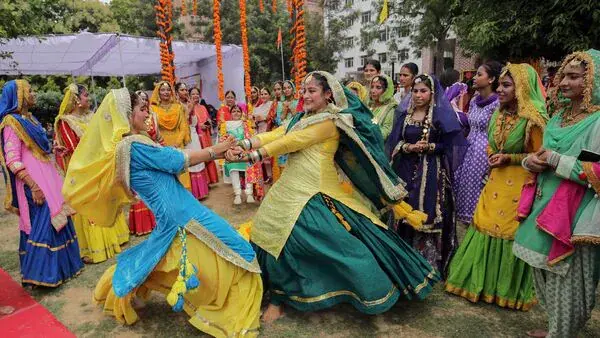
[[582, 176]]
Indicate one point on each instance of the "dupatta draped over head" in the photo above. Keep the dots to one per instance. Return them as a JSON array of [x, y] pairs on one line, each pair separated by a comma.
[[68, 104], [441, 116], [531, 103], [360, 153], [363, 93], [93, 183], [571, 215], [14, 94]]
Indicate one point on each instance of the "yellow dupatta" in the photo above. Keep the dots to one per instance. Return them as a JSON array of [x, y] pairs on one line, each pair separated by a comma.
[[172, 121], [92, 185]]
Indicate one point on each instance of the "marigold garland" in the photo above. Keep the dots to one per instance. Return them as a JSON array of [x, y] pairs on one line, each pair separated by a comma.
[[290, 7], [274, 6], [261, 6], [183, 8], [195, 7], [164, 20], [299, 44], [244, 28], [217, 34]]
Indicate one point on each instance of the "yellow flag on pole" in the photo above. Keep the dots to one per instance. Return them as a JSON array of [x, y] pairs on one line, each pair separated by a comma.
[[384, 12]]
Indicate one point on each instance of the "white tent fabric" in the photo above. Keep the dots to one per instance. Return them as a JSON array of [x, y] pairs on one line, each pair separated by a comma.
[[111, 54]]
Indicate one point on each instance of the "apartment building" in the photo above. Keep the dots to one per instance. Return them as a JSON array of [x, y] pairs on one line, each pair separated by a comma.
[[389, 42]]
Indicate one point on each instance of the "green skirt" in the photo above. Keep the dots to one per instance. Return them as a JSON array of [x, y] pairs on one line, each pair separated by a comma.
[[484, 268], [323, 264]]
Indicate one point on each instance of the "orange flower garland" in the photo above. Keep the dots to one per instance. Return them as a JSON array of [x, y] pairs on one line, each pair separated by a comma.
[[183, 8], [247, 83], [164, 20], [274, 6], [299, 44], [217, 37], [261, 6], [195, 7], [290, 7]]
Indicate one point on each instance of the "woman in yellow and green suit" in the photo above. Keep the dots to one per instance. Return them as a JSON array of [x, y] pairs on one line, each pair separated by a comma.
[[484, 266], [319, 244]]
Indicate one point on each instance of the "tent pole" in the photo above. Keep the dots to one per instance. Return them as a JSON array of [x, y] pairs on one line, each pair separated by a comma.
[[121, 58], [94, 87]]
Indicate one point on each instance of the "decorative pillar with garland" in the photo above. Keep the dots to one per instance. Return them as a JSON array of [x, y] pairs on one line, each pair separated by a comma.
[[299, 44], [244, 29], [217, 34], [164, 20]]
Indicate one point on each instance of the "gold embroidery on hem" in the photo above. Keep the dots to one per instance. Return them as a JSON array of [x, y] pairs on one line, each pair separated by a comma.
[[490, 299], [220, 248], [55, 248], [315, 299], [34, 282]]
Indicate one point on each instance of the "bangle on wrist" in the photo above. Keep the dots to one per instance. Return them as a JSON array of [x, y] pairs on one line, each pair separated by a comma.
[[212, 153], [255, 156], [405, 148], [246, 144]]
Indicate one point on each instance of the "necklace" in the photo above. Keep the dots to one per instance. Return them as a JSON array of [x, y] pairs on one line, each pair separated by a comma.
[[570, 119], [507, 123]]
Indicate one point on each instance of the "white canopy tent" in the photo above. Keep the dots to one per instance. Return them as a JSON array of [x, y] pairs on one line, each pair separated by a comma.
[[111, 54]]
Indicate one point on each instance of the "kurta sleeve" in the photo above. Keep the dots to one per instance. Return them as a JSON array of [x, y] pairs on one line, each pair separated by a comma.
[[536, 135], [268, 137], [387, 124], [165, 159], [297, 140], [12, 150]]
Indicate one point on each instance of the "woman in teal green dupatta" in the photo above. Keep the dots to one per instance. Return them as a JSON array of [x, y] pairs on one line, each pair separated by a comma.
[[382, 103], [320, 244], [559, 237]]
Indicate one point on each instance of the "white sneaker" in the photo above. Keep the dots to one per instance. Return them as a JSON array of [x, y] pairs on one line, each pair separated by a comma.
[[237, 200], [250, 199]]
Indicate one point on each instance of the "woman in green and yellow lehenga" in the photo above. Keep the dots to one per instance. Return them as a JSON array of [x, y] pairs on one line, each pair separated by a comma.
[[484, 267], [329, 247]]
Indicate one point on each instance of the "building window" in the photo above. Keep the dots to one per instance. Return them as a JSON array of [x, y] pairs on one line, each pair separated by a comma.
[[403, 30], [365, 17], [349, 42], [363, 60], [349, 62], [383, 35], [403, 55], [382, 57], [349, 3]]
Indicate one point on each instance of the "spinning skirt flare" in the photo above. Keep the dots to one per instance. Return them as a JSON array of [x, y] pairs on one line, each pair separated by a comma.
[[324, 264], [48, 258]]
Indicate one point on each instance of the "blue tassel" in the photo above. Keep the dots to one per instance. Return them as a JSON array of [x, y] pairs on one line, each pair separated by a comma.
[[179, 305], [192, 282]]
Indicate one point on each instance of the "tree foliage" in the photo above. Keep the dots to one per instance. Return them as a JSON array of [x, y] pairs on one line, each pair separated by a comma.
[[516, 30]]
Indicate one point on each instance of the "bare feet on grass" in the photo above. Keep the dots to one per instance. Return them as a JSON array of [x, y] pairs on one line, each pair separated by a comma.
[[272, 313]]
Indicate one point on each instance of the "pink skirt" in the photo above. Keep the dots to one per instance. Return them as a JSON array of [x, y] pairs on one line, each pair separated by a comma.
[[199, 184]]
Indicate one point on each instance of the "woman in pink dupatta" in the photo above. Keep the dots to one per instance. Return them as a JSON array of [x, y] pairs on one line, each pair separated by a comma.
[[204, 129]]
